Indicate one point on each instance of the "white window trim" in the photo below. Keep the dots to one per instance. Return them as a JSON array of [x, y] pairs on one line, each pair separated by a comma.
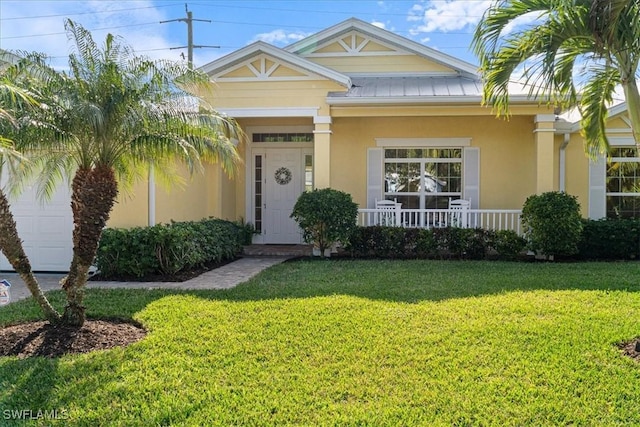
[[423, 142], [627, 142], [422, 161]]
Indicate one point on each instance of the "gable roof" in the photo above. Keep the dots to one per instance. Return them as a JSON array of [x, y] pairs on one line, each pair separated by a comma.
[[354, 24], [259, 47]]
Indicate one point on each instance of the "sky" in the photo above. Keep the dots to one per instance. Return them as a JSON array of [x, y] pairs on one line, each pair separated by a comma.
[[36, 25]]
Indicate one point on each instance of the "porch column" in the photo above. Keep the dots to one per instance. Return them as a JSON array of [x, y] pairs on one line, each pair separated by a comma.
[[544, 138], [322, 152]]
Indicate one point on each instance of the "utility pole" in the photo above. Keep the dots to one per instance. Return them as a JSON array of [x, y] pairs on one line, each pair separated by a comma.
[[190, 46]]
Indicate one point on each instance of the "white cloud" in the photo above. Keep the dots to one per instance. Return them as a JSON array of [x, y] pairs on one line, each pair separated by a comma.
[[379, 24], [279, 37], [139, 26], [446, 15], [521, 22]]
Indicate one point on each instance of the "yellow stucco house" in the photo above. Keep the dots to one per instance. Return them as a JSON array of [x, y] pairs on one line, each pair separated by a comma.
[[363, 110]]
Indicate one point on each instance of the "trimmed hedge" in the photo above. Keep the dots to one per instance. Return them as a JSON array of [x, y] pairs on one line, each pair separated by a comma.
[[167, 248], [450, 242], [606, 240], [610, 239]]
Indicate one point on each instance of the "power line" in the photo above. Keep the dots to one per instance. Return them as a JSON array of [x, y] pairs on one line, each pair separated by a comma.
[[90, 29], [17, 18]]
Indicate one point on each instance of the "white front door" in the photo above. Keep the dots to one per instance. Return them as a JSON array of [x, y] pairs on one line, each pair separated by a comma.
[[284, 182]]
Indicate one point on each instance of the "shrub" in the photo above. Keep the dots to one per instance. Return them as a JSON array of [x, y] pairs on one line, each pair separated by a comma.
[[399, 242], [462, 243], [552, 223], [610, 239], [247, 231], [167, 248], [507, 244], [326, 216], [391, 242]]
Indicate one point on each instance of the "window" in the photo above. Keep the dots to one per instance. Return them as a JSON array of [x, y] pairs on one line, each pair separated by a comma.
[[308, 172], [257, 188], [623, 183], [423, 178], [282, 137]]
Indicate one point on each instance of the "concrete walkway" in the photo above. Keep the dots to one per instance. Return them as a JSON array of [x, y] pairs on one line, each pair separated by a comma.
[[225, 277]]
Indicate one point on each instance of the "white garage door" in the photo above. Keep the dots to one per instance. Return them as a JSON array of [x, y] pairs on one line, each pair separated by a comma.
[[45, 229]]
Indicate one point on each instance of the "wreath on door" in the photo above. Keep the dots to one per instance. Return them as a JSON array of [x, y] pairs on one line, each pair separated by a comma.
[[283, 176]]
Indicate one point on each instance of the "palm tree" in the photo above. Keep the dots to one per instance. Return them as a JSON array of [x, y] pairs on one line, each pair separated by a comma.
[[115, 115], [15, 97], [575, 53]]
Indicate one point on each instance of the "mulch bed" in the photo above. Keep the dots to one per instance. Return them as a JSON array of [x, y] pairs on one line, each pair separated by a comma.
[[180, 276], [46, 340], [43, 339], [631, 349]]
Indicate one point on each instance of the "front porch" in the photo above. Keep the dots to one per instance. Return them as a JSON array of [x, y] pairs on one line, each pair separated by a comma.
[[489, 219]]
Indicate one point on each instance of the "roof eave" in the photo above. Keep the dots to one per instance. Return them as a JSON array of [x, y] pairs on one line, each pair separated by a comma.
[[372, 100], [463, 67], [262, 47]]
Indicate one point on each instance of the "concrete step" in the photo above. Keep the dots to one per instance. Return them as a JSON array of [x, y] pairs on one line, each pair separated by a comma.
[[278, 250]]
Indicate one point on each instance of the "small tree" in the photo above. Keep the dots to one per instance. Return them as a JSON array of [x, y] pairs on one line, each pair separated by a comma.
[[326, 216], [552, 223]]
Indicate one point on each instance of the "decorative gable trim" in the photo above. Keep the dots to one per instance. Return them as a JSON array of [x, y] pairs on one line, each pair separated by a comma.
[[248, 54], [309, 45], [355, 43], [265, 67]]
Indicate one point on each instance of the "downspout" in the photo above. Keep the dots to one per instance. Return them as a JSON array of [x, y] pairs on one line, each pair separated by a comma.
[[562, 159], [152, 197]]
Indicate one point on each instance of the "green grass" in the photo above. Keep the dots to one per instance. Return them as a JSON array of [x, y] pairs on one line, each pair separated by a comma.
[[356, 343]]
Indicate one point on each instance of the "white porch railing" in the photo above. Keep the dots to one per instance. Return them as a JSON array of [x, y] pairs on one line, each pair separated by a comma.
[[489, 219]]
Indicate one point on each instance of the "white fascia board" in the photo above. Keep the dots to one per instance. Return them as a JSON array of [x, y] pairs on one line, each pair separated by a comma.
[[617, 109], [270, 112], [613, 111], [402, 42], [262, 47], [423, 142], [402, 74]]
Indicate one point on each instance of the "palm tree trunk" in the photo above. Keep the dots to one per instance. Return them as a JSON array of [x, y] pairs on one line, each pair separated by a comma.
[[76, 208], [94, 193], [11, 247]]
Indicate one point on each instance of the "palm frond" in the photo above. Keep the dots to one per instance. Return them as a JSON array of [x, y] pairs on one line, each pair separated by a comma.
[[596, 96]]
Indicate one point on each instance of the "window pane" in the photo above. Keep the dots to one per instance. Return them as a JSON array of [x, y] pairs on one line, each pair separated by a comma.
[[623, 177], [282, 137], [432, 182], [623, 206], [408, 202], [436, 202], [427, 175], [308, 172], [623, 152], [414, 153]]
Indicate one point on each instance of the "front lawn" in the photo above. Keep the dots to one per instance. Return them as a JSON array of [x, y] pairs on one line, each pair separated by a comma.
[[355, 343]]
